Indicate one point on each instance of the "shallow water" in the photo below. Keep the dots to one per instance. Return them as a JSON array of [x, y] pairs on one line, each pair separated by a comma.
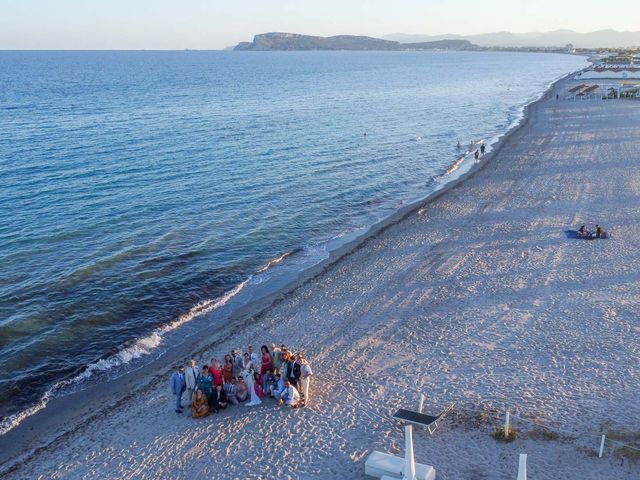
[[139, 190]]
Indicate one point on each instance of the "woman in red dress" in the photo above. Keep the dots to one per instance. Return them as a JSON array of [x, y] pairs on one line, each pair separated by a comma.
[[216, 370], [267, 361]]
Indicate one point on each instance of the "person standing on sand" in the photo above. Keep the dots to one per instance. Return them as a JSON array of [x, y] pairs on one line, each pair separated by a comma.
[[266, 361], [227, 368], [247, 373], [178, 386], [216, 371], [476, 155], [254, 357], [191, 379], [237, 362], [482, 149], [291, 396], [277, 357], [230, 389], [297, 371], [205, 383], [305, 379], [287, 367]]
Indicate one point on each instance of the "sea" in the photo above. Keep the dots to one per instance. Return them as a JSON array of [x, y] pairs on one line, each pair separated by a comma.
[[145, 196]]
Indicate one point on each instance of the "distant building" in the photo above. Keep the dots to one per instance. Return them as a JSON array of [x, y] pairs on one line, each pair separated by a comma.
[[611, 72]]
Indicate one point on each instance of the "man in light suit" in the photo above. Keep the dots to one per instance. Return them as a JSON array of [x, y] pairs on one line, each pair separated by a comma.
[[191, 377], [178, 386]]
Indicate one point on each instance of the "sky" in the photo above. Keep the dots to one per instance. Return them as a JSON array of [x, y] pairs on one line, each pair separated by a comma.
[[215, 24]]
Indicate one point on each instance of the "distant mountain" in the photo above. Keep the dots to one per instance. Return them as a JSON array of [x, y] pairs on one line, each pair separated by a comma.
[[557, 38], [294, 41]]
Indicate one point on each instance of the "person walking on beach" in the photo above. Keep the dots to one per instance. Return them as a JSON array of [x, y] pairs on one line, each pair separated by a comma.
[[477, 154], [178, 386], [305, 379], [482, 148], [191, 379]]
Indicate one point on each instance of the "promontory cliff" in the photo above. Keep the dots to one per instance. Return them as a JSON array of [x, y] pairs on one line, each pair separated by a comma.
[[294, 41]]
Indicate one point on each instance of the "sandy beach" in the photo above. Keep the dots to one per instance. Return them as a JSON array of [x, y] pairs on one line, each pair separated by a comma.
[[476, 297]]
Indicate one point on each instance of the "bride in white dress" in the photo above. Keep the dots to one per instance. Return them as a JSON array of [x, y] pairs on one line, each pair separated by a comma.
[[247, 373]]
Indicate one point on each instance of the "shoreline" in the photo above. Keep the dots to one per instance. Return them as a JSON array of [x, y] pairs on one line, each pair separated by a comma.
[[63, 411]]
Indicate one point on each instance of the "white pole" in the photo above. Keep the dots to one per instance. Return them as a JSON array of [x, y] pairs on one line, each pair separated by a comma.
[[522, 467], [601, 447], [506, 425], [409, 471], [421, 403]]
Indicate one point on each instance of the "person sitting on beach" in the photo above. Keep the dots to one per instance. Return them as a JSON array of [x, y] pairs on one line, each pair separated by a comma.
[[599, 231], [257, 385], [268, 382], [230, 390], [242, 392], [583, 232], [219, 399], [227, 369], [290, 397], [216, 371], [279, 387], [205, 382], [200, 405]]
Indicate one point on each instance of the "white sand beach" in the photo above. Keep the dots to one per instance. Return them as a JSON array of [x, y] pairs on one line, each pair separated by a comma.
[[477, 297]]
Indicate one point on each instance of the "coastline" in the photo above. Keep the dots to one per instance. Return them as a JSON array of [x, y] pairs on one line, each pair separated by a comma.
[[426, 315], [60, 412]]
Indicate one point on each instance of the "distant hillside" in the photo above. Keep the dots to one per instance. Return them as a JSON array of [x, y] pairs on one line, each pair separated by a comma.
[[294, 41], [557, 38]]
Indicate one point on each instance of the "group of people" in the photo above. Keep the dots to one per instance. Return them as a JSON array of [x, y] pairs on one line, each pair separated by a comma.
[[477, 153], [584, 233], [244, 378]]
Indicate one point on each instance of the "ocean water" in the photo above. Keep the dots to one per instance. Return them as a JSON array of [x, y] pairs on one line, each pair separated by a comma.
[[145, 195]]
